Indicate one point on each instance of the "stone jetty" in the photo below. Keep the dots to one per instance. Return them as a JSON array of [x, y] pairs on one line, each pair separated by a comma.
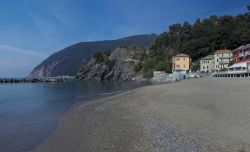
[[32, 80]]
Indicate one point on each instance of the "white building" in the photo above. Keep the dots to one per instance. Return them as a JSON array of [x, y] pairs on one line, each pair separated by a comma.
[[222, 58], [242, 67], [207, 64]]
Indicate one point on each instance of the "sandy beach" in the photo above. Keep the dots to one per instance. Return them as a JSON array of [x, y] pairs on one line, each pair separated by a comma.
[[198, 115]]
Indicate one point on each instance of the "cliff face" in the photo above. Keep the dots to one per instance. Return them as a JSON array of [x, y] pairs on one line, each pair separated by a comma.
[[118, 66], [71, 59], [48, 70]]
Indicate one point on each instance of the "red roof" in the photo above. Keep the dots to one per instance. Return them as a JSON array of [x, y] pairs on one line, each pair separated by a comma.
[[182, 55], [243, 47]]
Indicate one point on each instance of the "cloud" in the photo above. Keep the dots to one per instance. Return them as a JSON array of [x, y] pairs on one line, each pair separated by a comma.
[[45, 27], [60, 17], [30, 53]]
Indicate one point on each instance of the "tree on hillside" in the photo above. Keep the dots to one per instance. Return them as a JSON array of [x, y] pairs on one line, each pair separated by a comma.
[[197, 40]]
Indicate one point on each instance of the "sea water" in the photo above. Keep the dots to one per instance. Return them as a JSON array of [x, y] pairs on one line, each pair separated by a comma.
[[29, 113]]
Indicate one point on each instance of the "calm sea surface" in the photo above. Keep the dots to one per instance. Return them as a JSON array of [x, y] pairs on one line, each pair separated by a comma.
[[29, 112]]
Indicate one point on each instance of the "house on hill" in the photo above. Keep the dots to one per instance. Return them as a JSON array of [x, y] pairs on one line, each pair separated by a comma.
[[181, 63]]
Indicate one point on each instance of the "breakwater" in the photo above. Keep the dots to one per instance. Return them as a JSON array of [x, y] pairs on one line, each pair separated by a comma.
[[32, 80]]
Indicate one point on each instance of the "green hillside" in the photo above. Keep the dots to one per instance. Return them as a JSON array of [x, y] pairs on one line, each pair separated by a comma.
[[197, 40]]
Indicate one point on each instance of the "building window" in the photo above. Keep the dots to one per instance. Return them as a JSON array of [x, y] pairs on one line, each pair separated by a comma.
[[177, 59], [184, 65], [207, 67], [184, 59], [238, 68], [204, 67], [177, 66]]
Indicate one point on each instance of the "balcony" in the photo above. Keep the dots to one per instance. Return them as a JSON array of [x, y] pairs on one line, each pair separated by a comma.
[[237, 70], [224, 62]]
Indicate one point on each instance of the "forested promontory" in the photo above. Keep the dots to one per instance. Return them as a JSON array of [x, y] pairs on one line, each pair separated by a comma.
[[199, 39]]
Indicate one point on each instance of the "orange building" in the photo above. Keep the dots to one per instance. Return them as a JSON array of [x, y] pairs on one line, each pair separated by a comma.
[[181, 62]]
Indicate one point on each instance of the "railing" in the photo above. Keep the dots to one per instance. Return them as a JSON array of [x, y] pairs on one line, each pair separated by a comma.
[[233, 72]]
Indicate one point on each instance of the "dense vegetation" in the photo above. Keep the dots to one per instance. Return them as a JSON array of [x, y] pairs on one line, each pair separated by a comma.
[[197, 40], [101, 57]]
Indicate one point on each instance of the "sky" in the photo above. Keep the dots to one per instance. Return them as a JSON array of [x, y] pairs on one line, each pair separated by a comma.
[[31, 30]]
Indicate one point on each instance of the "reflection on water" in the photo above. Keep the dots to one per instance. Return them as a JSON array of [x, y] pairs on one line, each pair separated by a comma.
[[29, 112]]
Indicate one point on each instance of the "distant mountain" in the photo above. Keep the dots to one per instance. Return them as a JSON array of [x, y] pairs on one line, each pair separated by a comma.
[[70, 60]]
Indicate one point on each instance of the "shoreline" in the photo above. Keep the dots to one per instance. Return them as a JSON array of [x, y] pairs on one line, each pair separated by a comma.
[[90, 101], [41, 107], [156, 118]]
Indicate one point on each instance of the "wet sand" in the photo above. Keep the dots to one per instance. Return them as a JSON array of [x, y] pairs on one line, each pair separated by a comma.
[[207, 114]]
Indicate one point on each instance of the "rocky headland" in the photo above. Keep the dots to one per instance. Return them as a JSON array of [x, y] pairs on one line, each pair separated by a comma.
[[117, 65], [70, 60]]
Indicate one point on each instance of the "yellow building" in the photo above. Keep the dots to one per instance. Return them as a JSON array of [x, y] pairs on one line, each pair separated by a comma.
[[181, 62]]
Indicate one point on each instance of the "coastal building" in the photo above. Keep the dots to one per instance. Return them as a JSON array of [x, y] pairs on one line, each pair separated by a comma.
[[241, 54], [241, 59], [207, 64], [241, 66], [222, 58], [238, 68], [181, 63]]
